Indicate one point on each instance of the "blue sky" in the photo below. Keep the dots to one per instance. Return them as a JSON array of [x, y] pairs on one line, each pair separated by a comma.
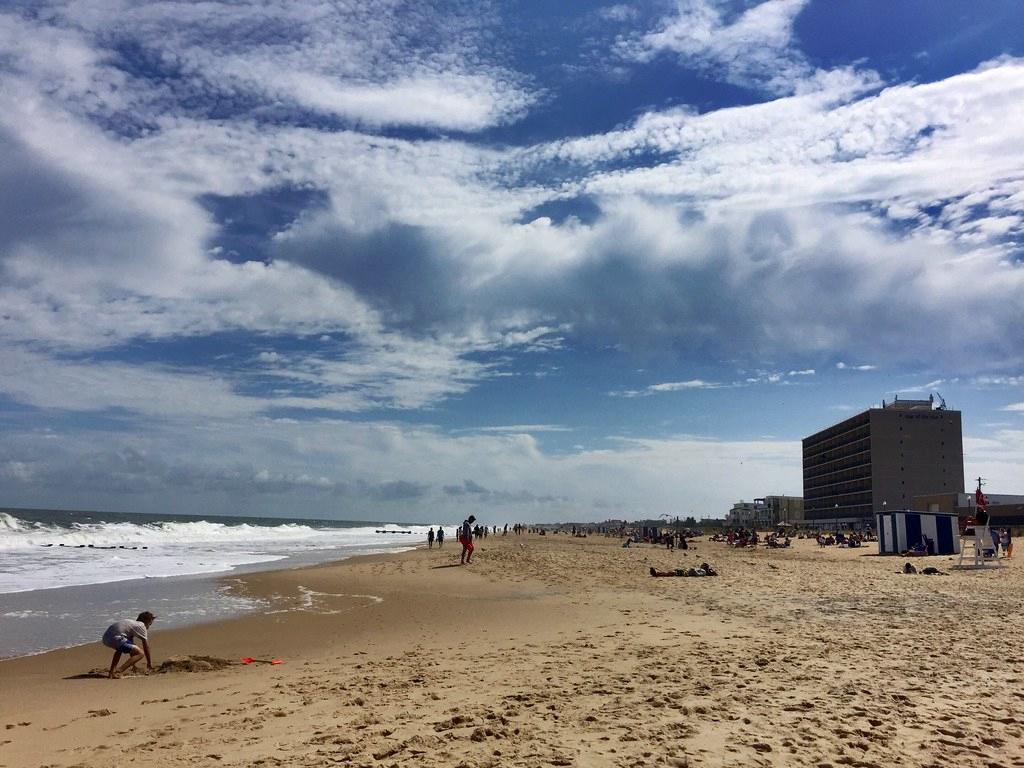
[[403, 261]]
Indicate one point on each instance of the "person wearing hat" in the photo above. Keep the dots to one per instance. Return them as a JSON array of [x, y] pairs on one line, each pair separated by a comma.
[[466, 539], [121, 636]]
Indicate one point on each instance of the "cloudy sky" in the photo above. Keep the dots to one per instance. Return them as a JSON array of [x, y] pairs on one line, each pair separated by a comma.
[[538, 261]]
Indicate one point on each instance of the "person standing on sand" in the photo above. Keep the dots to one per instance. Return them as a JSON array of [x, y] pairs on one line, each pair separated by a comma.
[[121, 636], [466, 539], [430, 539], [440, 537]]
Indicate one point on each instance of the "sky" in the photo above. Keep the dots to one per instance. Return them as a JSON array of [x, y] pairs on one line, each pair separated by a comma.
[[528, 260]]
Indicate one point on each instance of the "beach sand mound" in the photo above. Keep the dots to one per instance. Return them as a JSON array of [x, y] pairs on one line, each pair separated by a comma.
[[193, 664], [173, 664]]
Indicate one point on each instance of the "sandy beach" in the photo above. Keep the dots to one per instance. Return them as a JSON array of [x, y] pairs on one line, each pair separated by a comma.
[[559, 651]]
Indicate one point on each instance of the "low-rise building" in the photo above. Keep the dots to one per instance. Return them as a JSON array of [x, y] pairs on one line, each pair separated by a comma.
[[766, 512], [1003, 509], [784, 509]]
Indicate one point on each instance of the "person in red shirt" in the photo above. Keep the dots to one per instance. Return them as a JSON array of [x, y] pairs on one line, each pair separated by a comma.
[[466, 539]]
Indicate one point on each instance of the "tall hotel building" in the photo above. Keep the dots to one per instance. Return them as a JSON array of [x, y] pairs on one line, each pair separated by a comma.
[[880, 459]]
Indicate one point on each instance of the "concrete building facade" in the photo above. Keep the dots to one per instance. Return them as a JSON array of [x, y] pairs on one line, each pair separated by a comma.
[[747, 514], [882, 458], [784, 509]]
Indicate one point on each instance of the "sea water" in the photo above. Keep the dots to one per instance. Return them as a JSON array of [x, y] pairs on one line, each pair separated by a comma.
[[65, 575]]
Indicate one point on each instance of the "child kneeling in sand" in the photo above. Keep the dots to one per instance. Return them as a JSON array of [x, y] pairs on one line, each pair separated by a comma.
[[121, 636]]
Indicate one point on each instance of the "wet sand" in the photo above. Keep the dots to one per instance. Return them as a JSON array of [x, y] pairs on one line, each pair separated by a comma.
[[560, 651]]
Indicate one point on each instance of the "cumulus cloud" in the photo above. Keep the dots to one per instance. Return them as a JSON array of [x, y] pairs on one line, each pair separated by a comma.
[[432, 243]]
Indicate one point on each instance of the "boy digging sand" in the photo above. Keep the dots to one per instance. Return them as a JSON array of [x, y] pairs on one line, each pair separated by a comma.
[[121, 636]]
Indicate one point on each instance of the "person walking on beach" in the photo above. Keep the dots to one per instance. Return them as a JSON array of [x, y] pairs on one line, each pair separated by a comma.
[[121, 636], [466, 539], [440, 537], [430, 538]]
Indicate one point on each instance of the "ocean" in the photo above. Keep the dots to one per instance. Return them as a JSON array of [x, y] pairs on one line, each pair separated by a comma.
[[64, 576]]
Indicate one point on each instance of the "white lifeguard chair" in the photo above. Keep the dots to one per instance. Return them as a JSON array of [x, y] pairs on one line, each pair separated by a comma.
[[984, 553]]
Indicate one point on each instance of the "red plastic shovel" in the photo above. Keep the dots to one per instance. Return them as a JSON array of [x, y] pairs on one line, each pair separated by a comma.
[[251, 660]]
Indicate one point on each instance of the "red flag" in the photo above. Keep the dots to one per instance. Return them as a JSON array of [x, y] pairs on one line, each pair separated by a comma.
[[979, 499]]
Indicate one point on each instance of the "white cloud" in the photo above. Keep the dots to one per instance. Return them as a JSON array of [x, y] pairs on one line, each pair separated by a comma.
[[360, 62], [618, 12], [676, 386], [482, 276], [85, 385], [752, 49], [1018, 407], [998, 381], [170, 465], [999, 458], [527, 428], [835, 223], [910, 150]]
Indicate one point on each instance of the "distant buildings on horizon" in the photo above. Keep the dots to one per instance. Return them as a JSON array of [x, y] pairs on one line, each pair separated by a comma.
[[906, 454]]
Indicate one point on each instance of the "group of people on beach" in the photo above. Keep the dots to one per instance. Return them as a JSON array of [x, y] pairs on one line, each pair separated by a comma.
[[438, 537], [467, 532]]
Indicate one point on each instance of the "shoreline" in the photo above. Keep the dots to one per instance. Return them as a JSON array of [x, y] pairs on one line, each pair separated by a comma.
[[209, 588], [559, 651]]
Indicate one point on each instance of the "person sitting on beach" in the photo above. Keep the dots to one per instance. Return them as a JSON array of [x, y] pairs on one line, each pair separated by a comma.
[[466, 540], [121, 636]]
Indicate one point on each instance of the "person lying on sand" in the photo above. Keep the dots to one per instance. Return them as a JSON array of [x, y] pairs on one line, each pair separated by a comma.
[[929, 571], [121, 636], [704, 570]]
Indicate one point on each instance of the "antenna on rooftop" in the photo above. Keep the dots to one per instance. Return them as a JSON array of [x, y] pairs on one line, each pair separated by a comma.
[[942, 401]]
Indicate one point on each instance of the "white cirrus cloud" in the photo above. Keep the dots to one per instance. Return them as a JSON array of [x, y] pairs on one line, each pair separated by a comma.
[[755, 48], [368, 63]]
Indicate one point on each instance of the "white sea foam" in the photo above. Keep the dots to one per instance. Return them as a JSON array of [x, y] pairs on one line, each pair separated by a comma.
[[43, 556]]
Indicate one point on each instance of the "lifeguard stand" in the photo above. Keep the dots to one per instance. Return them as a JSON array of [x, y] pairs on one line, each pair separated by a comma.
[[983, 552], [978, 535]]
